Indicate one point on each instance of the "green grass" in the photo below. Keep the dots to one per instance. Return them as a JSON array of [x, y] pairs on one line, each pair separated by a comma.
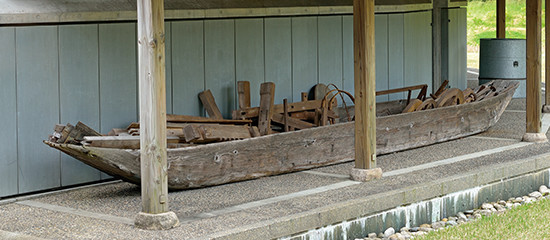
[[529, 221], [482, 24]]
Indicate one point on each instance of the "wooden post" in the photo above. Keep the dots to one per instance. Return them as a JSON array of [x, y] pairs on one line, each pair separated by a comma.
[[440, 43], [152, 105], [267, 96], [533, 108], [243, 90], [501, 18], [546, 108], [365, 91]]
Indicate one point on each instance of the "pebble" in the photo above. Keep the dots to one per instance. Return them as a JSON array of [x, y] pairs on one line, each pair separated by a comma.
[[444, 219], [438, 225], [405, 229], [390, 231], [462, 216], [372, 235], [544, 190], [451, 223], [425, 225], [414, 229], [426, 229], [469, 211], [500, 208], [535, 194], [486, 206]]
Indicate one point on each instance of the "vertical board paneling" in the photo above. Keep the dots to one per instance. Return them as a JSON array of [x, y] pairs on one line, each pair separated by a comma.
[[381, 54], [304, 54], [168, 63], [219, 57], [117, 74], [79, 91], [462, 47], [278, 57], [347, 53], [37, 106], [187, 66], [453, 51], [418, 48], [395, 54], [8, 118], [249, 43], [330, 50]]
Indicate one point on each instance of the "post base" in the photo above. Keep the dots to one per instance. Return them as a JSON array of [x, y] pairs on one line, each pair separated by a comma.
[[160, 221], [535, 137], [546, 108], [365, 175]]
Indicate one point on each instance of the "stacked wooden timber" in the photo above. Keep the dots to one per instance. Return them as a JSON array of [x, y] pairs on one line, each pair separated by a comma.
[[273, 118], [445, 97]]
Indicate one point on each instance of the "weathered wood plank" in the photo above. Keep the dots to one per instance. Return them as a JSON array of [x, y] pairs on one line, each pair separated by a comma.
[[267, 94], [279, 108], [195, 133], [210, 105], [194, 119], [122, 142], [291, 122], [243, 90]]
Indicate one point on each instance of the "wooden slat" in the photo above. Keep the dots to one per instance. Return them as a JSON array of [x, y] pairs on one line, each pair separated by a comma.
[[194, 119], [124, 142], [214, 133], [292, 122], [243, 89], [78, 132], [279, 108], [210, 105], [267, 94]]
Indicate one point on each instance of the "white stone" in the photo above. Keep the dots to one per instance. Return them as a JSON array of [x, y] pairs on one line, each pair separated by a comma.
[[487, 206], [535, 194], [390, 231], [372, 235], [462, 216], [544, 190]]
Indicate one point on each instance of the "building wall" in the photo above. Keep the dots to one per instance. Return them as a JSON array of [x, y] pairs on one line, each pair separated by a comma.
[[88, 72]]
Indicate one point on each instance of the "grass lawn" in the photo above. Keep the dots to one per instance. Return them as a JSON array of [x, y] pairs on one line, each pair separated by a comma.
[[482, 24], [529, 221]]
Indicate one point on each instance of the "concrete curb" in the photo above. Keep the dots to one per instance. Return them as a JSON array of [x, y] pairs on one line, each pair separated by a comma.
[[16, 236], [356, 208]]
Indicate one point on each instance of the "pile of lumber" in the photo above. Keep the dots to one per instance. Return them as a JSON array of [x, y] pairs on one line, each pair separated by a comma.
[[273, 118], [445, 97]]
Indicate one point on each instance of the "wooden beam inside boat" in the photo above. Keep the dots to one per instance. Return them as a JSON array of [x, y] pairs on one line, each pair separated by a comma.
[[501, 18], [152, 105], [533, 91], [365, 91]]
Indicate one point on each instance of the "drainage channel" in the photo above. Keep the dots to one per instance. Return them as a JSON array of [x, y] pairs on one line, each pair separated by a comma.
[[428, 211]]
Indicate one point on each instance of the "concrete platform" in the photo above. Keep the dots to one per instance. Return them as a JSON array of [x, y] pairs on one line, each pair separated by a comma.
[[286, 205]]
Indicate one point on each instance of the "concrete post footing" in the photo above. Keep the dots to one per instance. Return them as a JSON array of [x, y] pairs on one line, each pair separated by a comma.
[[535, 137], [546, 108], [365, 175], [160, 221]]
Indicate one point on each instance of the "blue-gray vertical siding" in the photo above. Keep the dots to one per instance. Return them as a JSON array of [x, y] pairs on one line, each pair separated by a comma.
[[457, 47], [88, 72], [78, 91], [37, 106], [8, 118]]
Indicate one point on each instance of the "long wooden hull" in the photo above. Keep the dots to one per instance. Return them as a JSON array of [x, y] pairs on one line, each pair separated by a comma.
[[219, 163]]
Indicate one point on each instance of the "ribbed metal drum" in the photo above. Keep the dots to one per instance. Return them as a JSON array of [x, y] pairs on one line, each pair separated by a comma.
[[503, 59]]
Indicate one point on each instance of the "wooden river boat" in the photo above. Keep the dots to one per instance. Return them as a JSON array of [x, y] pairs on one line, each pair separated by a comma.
[[231, 161]]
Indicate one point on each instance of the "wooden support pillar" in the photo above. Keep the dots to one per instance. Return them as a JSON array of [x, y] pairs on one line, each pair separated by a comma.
[[365, 92], [533, 108], [440, 43], [546, 108], [501, 18], [152, 106]]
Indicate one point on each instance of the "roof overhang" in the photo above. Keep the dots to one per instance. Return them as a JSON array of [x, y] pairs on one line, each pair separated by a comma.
[[58, 11]]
